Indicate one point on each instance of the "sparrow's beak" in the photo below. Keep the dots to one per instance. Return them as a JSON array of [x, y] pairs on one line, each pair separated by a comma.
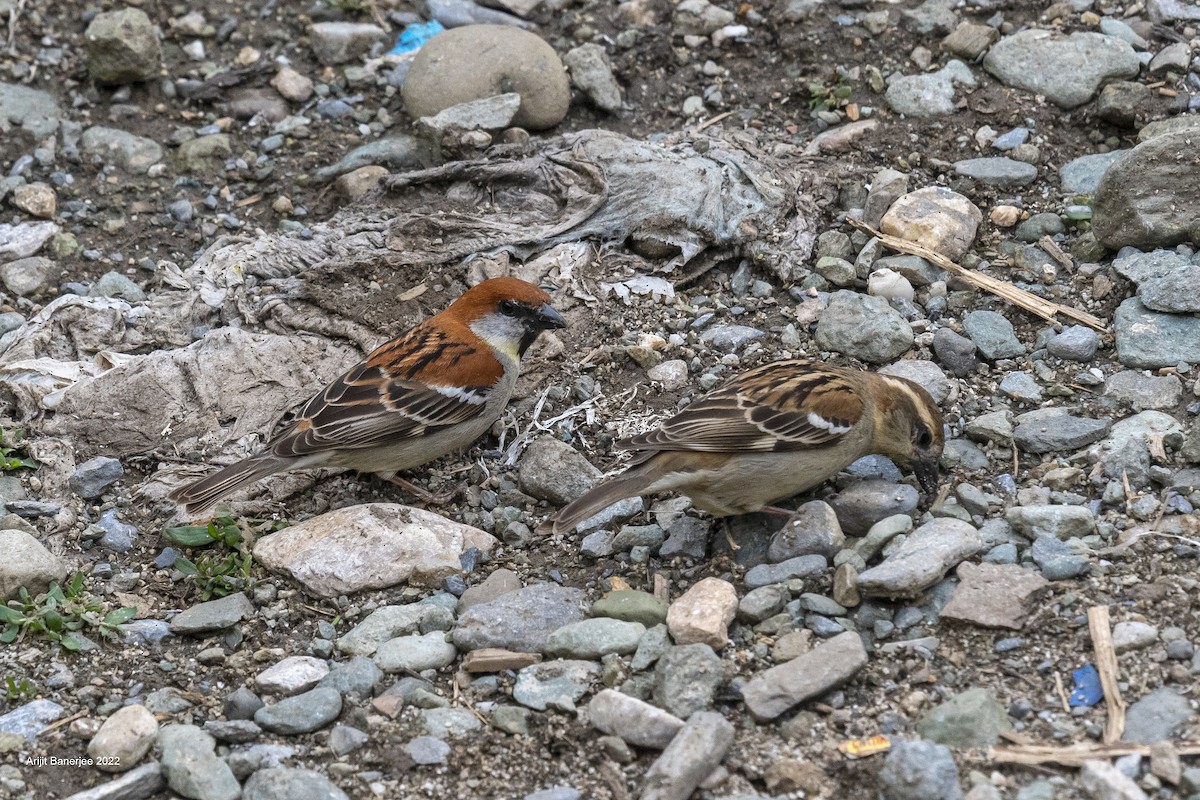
[[547, 317], [926, 470]]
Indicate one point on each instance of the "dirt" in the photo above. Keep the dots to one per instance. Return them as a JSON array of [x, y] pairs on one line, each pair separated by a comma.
[[764, 88]]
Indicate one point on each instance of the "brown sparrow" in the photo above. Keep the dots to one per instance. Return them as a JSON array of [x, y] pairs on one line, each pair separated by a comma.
[[771, 433], [433, 390]]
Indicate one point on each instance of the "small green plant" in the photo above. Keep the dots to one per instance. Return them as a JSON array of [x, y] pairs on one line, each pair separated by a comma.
[[18, 692], [828, 98], [10, 446], [61, 614], [213, 574]]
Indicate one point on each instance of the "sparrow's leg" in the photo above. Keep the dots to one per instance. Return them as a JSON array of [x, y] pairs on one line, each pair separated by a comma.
[[787, 512], [728, 530], [421, 494]]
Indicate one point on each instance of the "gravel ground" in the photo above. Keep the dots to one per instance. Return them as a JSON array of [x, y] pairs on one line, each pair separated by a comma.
[[465, 654]]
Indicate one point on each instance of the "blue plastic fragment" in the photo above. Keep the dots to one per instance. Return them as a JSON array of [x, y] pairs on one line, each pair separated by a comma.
[[1087, 691], [415, 35]]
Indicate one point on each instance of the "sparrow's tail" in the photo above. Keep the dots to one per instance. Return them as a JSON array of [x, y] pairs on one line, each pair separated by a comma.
[[599, 498], [199, 496]]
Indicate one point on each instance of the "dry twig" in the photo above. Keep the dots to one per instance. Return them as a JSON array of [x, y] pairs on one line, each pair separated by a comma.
[[1074, 755], [1106, 664], [1018, 297]]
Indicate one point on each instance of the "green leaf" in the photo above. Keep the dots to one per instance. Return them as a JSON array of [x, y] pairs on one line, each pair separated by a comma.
[[189, 535], [73, 642], [53, 620], [9, 634], [120, 616], [10, 615], [75, 585], [186, 566]]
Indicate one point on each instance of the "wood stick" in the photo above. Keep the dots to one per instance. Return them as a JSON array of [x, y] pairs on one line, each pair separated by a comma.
[[1106, 664], [1019, 297], [1074, 755], [1062, 692]]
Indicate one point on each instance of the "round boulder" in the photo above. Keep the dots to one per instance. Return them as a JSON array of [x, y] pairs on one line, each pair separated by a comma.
[[479, 61]]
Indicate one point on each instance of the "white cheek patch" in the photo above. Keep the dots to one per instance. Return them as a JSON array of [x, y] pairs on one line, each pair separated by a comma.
[[819, 422]]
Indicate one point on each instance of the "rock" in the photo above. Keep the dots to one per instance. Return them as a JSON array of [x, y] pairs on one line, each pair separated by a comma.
[[633, 606], [292, 675], [133, 154], [813, 529], [520, 620], [1075, 343], [370, 546], [730, 338], [1146, 197], [36, 200], [1142, 391], [360, 182], [636, 721], [117, 536], [191, 767], [553, 470], [1103, 781], [26, 563], [34, 111], [122, 47], [22, 241], [922, 559], [276, 783], [428, 750], [30, 277], [860, 505], [234, 731], [799, 567], [124, 739], [442, 722], [93, 476], [29, 719], [699, 18], [686, 679], [970, 40], [501, 581], [1159, 127], [204, 155], [487, 114], [554, 684], [695, 752], [302, 713], [763, 602], [114, 284], [997, 171], [1051, 430], [1133, 635], [1082, 175], [919, 770], [1058, 560], [993, 596], [929, 93], [388, 622], [775, 690], [971, 718], [591, 73], [956, 352], [1062, 522], [292, 85], [1164, 279], [703, 613], [594, 638], [415, 653], [478, 61], [935, 217], [214, 615], [864, 327], [1068, 71], [993, 335], [1022, 387], [145, 781], [338, 42], [1156, 717]]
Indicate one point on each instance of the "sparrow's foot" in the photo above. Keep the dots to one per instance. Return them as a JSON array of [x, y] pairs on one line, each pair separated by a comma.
[[423, 495], [728, 531]]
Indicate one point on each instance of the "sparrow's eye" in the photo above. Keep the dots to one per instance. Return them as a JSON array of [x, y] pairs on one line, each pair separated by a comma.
[[924, 438], [508, 308]]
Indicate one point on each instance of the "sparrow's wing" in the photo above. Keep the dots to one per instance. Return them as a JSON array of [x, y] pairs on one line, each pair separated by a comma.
[[407, 388], [787, 405]]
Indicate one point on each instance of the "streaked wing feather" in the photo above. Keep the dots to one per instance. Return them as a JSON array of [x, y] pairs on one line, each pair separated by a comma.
[[787, 405]]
